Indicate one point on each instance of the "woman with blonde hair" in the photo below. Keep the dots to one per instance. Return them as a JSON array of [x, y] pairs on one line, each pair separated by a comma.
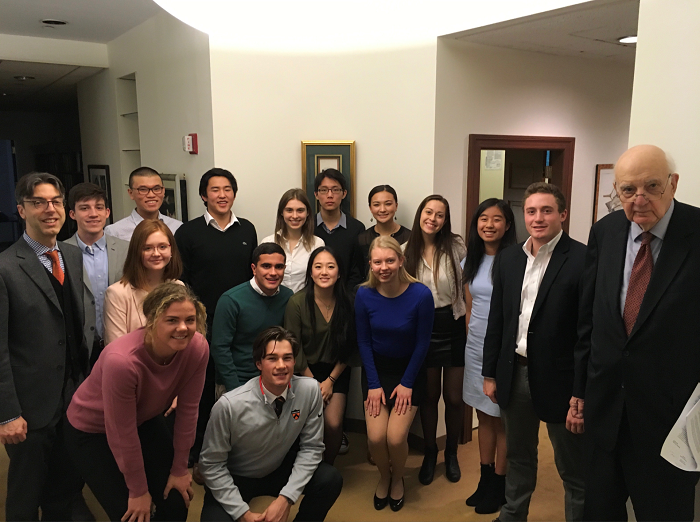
[[394, 316], [294, 232], [116, 434], [153, 258]]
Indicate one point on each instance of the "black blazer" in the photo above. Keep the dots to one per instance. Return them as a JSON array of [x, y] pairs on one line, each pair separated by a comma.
[[552, 332], [652, 372]]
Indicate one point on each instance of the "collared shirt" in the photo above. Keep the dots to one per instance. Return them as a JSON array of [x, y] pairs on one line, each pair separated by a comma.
[[124, 228], [342, 222], [296, 262], [271, 397], [40, 250], [534, 272], [213, 223], [442, 292], [255, 286], [96, 264], [634, 243]]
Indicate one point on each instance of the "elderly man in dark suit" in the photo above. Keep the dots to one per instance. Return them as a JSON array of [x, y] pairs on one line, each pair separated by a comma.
[[43, 354], [638, 359], [529, 350]]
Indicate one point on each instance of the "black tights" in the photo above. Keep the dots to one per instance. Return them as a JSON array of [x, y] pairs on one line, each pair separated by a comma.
[[454, 407]]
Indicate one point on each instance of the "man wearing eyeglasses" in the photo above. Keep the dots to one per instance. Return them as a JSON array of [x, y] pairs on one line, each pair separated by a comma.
[[43, 353], [638, 360], [147, 191]]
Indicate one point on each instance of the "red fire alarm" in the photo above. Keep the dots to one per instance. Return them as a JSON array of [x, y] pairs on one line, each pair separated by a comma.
[[189, 144]]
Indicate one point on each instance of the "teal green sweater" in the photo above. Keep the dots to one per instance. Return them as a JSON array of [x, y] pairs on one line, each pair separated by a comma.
[[241, 314]]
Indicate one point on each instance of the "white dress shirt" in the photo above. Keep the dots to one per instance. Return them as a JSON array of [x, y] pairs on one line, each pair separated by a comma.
[[534, 272], [124, 228], [213, 223], [297, 261]]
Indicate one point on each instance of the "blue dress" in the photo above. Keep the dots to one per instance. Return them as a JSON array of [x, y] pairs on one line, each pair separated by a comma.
[[473, 387]]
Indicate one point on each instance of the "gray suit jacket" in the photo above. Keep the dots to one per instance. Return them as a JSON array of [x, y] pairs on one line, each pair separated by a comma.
[[116, 255], [33, 333]]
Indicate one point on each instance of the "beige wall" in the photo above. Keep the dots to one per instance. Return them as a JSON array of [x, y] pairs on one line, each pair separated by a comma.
[[488, 90]]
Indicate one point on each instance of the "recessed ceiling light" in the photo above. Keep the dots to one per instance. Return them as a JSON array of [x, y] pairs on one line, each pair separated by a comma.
[[52, 21], [24, 78], [628, 39]]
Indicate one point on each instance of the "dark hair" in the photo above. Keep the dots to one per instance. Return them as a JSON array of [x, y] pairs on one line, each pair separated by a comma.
[[276, 334], [382, 188], [333, 174], [134, 271], [142, 171], [444, 242], [266, 249], [475, 245], [541, 187], [342, 321], [307, 230], [212, 173], [85, 191], [27, 183], [162, 296]]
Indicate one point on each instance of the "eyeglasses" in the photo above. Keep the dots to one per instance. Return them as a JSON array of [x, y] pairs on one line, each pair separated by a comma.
[[157, 190], [325, 190], [43, 204], [161, 248], [652, 191]]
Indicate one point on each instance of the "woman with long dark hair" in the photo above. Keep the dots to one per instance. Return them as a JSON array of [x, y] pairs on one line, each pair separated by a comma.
[[491, 230], [322, 319], [433, 254]]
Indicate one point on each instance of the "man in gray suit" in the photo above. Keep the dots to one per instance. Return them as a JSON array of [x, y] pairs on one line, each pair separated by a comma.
[[43, 354], [103, 257]]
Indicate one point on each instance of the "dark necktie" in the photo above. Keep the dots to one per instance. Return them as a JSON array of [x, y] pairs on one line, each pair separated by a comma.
[[639, 280], [55, 265], [278, 405]]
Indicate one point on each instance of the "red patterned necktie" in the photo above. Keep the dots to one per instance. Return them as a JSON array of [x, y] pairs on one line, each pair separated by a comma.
[[56, 269], [639, 280]]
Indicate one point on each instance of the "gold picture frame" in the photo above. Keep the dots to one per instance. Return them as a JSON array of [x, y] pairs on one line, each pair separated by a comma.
[[318, 155]]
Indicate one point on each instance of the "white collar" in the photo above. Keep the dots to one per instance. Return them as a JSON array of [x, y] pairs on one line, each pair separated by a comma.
[[544, 249], [208, 219], [257, 288]]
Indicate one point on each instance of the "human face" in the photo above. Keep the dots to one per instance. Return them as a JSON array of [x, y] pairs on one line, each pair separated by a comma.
[[220, 196], [542, 217], [491, 226], [90, 216], [331, 200], [385, 264], [642, 169], [277, 367], [294, 214], [383, 207], [149, 203], [432, 217], [175, 327], [43, 225], [324, 270], [156, 251], [269, 272]]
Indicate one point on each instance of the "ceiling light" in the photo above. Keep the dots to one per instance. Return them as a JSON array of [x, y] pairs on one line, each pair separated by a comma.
[[51, 21], [628, 39], [24, 78]]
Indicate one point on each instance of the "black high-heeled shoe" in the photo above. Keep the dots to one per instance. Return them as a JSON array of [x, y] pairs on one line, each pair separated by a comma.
[[380, 503], [394, 504]]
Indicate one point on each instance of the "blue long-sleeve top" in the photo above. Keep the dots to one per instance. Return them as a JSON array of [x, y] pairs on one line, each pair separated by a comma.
[[394, 327]]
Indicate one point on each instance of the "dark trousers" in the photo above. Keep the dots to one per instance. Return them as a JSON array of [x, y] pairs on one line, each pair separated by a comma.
[[659, 490], [41, 475], [206, 403], [94, 460], [320, 492]]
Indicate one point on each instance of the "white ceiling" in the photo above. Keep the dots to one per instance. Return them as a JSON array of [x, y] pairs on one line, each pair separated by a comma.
[[585, 30]]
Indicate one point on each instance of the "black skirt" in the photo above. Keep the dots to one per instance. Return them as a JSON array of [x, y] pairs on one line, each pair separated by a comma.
[[447, 340], [322, 370], [390, 371]]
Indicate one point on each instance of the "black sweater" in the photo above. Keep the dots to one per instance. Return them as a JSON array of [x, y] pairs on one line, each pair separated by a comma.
[[344, 242]]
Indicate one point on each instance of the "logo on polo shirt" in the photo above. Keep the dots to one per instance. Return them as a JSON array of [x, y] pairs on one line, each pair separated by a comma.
[[296, 414]]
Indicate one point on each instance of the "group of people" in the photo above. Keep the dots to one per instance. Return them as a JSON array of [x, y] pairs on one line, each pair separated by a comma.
[[134, 351]]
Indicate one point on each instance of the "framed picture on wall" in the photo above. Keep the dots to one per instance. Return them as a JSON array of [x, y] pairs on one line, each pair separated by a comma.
[[99, 175], [316, 156], [606, 199], [175, 198]]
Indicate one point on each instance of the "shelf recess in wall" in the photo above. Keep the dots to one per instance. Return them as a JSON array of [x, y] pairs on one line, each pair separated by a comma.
[[131, 150], [134, 113]]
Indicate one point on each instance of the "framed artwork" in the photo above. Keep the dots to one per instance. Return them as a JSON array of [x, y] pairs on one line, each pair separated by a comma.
[[175, 198], [99, 175], [606, 199], [317, 156]]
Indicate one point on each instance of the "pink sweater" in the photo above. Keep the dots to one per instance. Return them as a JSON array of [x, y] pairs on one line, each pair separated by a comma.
[[127, 387]]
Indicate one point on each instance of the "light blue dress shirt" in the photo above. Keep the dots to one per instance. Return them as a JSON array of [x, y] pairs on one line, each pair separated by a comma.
[[96, 265], [342, 222]]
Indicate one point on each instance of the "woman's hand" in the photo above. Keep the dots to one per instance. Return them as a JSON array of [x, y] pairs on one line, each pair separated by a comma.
[[375, 399], [172, 408], [403, 399], [326, 390], [183, 484], [138, 509]]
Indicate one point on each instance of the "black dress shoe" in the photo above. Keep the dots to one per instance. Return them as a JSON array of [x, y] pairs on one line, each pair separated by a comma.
[[380, 503], [394, 504], [452, 471], [427, 470]]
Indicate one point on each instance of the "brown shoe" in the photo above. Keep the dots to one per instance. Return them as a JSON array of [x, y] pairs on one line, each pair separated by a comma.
[[197, 475]]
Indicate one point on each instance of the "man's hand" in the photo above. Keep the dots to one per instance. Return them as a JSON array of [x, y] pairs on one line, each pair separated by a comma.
[[138, 509], [249, 516], [277, 511], [183, 484], [13, 432], [490, 389], [574, 419]]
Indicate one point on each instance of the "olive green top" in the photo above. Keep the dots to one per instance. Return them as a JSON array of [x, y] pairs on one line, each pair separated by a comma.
[[315, 346]]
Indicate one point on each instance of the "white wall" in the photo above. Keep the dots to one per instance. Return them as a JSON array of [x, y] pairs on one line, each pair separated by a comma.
[[489, 90], [665, 104], [52, 50]]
